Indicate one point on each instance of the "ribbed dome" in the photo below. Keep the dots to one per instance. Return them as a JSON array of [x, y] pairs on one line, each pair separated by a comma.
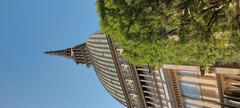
[[104, 66]]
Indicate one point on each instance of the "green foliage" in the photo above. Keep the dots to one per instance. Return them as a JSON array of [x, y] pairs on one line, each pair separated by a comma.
[[156, 32]]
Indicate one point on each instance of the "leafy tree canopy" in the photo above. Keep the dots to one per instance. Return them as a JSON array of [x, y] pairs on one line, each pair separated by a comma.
[[191, 32]]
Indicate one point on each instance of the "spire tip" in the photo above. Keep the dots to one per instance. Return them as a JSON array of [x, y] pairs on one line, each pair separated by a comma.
[[47, 52]]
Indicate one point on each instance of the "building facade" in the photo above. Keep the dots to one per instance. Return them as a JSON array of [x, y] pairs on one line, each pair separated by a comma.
[[172, 86]]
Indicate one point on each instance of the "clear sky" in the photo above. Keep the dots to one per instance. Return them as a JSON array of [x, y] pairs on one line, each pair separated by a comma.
[[31, 79]]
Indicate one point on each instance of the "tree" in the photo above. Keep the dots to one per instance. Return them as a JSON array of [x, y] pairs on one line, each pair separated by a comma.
[[191, 32]]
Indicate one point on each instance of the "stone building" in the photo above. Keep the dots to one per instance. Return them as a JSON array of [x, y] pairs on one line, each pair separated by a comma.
[[171, 86]]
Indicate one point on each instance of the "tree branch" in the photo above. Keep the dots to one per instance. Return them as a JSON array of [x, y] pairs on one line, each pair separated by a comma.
[[237, 19]]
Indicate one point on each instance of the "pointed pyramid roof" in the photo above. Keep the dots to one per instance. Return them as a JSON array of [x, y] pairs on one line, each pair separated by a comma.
[[63, 53], [79, 54]]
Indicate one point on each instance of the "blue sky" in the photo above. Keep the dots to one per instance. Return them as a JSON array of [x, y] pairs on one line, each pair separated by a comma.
[[30, 79]]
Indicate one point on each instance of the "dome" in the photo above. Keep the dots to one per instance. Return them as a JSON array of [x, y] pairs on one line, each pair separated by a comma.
[[103, 64]]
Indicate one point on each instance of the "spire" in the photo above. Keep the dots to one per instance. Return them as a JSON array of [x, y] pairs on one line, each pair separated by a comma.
[[64, 53], [78, 53]]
